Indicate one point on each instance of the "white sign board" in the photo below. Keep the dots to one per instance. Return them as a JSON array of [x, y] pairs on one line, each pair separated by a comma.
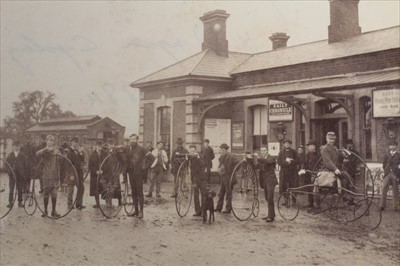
[[386, 102], [280, 111], [273, 148], [218, 131]]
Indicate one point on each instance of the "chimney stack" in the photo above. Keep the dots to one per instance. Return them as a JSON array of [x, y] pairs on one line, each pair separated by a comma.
[[344, 20], [279, 40], [215, 31]]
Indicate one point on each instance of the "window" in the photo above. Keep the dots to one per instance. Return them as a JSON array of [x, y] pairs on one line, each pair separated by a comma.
[[164, 124], [365, 122], [260, 126], [302, 130]]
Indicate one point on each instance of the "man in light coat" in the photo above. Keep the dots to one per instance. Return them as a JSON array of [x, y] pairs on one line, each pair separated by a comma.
[[157, 169]]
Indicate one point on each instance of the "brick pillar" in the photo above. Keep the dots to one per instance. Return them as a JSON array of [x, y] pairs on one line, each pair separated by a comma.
[[141, 118], [193, 133]]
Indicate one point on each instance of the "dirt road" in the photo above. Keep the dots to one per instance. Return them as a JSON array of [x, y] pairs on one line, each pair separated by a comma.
[[162, 238]]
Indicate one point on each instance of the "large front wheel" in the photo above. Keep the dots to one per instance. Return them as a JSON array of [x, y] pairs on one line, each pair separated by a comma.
[[185, 190]]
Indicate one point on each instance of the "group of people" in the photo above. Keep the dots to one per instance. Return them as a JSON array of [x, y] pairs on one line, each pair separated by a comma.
[[139, 163]]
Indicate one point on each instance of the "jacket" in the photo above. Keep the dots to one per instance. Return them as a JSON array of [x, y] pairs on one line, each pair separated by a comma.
[[331, 157], [311, 160], [18, 164], [288, 170], [197, 168], [207, 154], [226, 166], [391, 163], [176, 160], [267, 166], [136, 157], [164, 157]]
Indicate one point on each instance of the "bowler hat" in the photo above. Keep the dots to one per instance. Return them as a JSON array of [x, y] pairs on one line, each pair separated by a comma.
[[224, 146], [312, 142], [160, 141], [287, 140], [331, 134], [301, 147]]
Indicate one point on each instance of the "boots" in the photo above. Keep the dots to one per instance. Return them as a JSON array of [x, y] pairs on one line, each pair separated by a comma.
[[140, 215], [53, 210], [46, 204]]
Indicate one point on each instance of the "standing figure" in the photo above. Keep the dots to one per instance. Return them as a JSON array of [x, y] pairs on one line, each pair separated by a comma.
[[176, 160], [125, 159], [207, 154], [225, 169], [350, 162], [50, 175], [268, 181], [288, 176], [77, 157], [310, 160], [157, 169], [95, 160], [18, 162], [391, 167], [136, 170], [199, 179], [29, 151]]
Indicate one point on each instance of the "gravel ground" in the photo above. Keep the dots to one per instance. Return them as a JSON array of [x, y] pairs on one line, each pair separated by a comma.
[[162, 238]]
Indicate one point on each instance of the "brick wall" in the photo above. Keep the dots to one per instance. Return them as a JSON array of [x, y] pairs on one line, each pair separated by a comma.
[[179, 119], [170, 90], [359, 63], [148, 123]]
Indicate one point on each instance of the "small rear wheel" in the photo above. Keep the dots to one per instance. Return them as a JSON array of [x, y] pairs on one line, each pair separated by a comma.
[[30, 205], [370, 214], [287, 207]]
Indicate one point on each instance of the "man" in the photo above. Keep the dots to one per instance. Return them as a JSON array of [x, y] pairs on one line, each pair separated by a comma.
[[391, 167], [332, 160], [225, 169], [207, 154], [95, 160], [77, 157], [124, 154], [50, 175], [136, 170], [18, 162], [310, 160], [350, 162], [268, 181], [176, 161], [157, 169], [199, 179], [149, 146], [29, 151], [288, 160]]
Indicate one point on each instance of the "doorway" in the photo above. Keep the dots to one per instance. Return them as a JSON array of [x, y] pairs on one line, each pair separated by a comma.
[[337, 125]]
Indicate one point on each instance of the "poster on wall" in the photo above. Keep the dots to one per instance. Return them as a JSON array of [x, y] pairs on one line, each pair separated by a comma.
[[386, 102], [218, 131], [280, 111], [237, 135], [273, 148]]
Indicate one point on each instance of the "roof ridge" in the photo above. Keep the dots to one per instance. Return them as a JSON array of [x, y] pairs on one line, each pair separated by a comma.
[[198, 63], [233, 70], [153, 73]]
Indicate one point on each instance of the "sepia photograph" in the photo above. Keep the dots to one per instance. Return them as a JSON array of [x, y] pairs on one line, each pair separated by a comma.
[[200, 132]]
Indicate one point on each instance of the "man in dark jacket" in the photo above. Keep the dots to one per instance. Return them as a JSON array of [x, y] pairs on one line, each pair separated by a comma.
[[310, 160], [199, 179], [17, 161], [136, 171], [207, 154], [176, 161], [95, 160], [288, 160], [268, 181], [29, 151], [77, 157], [225, 169], [391, 167], [350, 162]]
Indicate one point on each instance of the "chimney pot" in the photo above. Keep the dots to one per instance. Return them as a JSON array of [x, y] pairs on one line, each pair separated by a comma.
[[279, 40]]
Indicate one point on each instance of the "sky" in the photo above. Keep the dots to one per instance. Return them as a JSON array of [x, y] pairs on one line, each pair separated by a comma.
[[88, 52]]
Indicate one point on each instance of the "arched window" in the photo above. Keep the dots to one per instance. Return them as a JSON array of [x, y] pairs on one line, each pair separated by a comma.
[[365, 123], [260, 126], [164, 123]]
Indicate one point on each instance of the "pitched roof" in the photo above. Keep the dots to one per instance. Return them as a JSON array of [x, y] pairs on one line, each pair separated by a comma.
[[367, 42], [338, 82], [41, 127], [85, 118], [205, 63]]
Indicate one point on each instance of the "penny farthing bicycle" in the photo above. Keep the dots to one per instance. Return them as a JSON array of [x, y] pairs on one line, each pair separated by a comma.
[[184, 195], [8, 191], [114, 194], [66, 194], [244, 185]]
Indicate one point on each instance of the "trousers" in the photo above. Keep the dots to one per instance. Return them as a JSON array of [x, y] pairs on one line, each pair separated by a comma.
[[390, 179], [136, 181], [156, 176], [224, 190]]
